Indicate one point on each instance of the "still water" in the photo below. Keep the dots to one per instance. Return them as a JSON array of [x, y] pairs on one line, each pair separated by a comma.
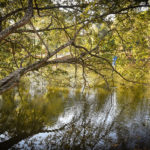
[[37, 116]]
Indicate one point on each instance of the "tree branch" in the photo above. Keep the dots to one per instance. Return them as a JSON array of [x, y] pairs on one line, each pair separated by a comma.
[[22, 22], [46, 47]]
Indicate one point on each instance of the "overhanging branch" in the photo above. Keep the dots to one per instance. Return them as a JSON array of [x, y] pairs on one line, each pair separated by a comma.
[[22, 22]]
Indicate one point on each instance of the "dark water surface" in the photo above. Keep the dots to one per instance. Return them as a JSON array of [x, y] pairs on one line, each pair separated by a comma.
[[36, 116]]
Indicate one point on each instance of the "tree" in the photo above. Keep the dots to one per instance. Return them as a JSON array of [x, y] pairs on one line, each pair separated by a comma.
[[33, 32]]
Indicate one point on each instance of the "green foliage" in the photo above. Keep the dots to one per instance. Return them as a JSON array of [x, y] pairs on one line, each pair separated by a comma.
[[126, 34]]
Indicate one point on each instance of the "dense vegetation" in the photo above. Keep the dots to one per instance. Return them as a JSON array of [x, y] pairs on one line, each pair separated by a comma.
[[40, 33]]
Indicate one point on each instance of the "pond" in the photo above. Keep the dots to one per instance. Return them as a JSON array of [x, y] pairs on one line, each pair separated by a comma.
[[35, 115]]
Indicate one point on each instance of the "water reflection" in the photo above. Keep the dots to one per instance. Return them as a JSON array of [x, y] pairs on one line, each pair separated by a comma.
[[62, 118]]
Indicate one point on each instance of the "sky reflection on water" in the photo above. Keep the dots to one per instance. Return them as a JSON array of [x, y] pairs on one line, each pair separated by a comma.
[[61, 118]]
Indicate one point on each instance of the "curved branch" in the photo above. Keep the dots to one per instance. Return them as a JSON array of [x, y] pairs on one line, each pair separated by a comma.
[[13, 78], [22, 22], [42, 8], [108, 62]]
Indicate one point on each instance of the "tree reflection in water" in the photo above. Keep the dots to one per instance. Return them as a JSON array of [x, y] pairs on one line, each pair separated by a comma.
[[69, 119]]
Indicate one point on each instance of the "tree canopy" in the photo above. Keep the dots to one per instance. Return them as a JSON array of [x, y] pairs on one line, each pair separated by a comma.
[[37, 33]]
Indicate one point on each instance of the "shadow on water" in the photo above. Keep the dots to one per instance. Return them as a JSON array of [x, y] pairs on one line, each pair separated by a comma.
[[61, 118]]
